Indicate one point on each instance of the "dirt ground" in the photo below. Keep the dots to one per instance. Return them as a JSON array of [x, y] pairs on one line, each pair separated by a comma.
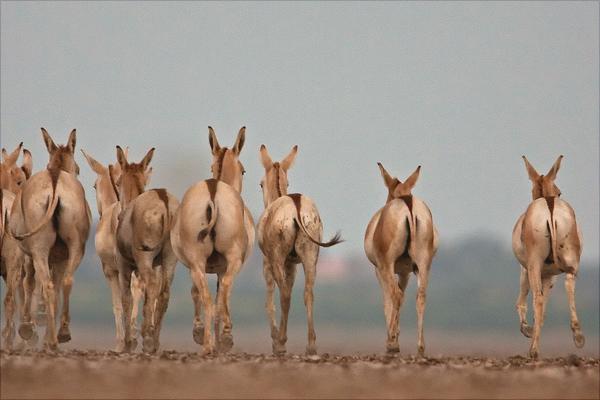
[[171, 374]]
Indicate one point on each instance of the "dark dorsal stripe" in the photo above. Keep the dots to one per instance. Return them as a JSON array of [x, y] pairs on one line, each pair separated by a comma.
[[277, 172], [112, 182], [408, 199], [54, 174], [296, 197], [163, 196], [212, 188], [220, 162], [550, 203]]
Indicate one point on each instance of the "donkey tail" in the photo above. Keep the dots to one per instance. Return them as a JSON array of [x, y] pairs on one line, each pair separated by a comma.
[[211, 215], [53, 203], [337, 238]]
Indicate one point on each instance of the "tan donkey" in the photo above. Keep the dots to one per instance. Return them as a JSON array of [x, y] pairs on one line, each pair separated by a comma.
[[213, 234], [12, 260], [289, 233], [144, 245], [547, 242], [107, 199], [51, 218], [401, 239]]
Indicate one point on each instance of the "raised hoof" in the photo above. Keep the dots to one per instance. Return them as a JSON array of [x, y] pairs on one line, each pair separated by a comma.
[[579, 340], [226, 343], [527, 330], [198, 334], [311, 350], [149, 344], [64, 335], [392, 348], [26, 330]]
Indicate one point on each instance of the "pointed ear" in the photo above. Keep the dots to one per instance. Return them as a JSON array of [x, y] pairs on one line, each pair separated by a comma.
[[288, 161], [126, 152], [265, 158], [554, 170], [27, 165], [147, 158], [50, 146], [413, 178], [95, 165], [387, 179], [533, 174], [212, 140], [121, 158], [239, 141], [72, 141], [11, 159], [148, 174]]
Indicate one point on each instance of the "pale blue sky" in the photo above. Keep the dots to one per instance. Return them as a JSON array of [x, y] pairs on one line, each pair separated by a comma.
[[462, 88]]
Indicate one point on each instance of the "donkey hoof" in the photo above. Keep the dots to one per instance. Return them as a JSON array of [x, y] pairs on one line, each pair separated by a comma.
[[64, 335], [33, 340], [26, 330], [51, 347], [278, 349], [274, 333], [311, 350], [527, 330], [421, 351], [534, 354], [579, 340], [226, 342], [393, 348], [149, 345], [208, 350], [198, 334], [120, 347]]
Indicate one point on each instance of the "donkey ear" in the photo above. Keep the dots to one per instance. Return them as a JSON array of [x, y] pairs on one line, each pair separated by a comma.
[[147, 158], [212, 140], [288, 161], [72, 140], [50, 146], [533, 174], [27, 165], [95, 165], [11, 159], [413, 178], [121, 159], [148, 174], [387, 179], [265, 158], [554, 170], [239, 141]]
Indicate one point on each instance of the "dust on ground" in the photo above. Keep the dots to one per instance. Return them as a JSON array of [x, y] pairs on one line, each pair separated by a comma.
[[174, 374]]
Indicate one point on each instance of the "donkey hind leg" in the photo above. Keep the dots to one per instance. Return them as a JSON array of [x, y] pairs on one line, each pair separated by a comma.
[[234, 264], [521, 305], [150, 279], [270, 298], [125, 272], [390, 290], [578, 337], [423, 279], [198, 329], [113, 281], [198, 274], [76, 250], [27, 327], [168, 273], [42, 272], [534, 273], [13, 280], [309, 262]]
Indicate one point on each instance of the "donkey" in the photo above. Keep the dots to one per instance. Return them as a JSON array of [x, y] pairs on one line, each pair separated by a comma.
[[12, 259], [51, 219], [547, 242], [107, 199], [289, 232], [401, 239], [213, 233], [144, 245]]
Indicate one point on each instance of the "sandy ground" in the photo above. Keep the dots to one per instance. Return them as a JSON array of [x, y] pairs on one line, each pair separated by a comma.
[[172, 374]]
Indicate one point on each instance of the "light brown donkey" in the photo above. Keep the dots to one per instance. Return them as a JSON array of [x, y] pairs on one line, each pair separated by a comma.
[[214, 233], [401, 239], [107, 196], [547, 242], [52, 219], [12, 259], [143, 244], [289, 232]]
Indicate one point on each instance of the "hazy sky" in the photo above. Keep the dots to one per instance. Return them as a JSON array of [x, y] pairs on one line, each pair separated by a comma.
[[462, 88]]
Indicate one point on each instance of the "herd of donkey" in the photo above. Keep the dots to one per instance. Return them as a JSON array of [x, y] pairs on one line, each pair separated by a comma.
[[142, 234]]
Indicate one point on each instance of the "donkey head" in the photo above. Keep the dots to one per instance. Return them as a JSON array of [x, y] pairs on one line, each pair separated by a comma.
[[11, 175], [62, 157], [275, 183], [543, 186], [226, 165], [133, 177], [396, 188], [105, 185]]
